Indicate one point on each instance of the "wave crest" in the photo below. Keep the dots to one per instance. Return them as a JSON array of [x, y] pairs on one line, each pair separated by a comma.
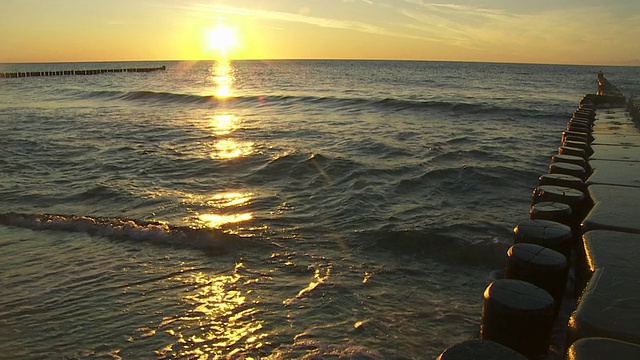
[[333, 102], [210, 240]]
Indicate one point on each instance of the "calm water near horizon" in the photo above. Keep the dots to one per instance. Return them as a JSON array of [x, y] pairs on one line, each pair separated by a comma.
[[267, 209]]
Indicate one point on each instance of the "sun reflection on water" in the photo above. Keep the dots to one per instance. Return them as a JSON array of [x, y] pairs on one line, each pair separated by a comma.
[[223, 124], [222, 77], [230, 199], [217, 220], [321, 274], [230, 149], [220, 321], [220, 209]]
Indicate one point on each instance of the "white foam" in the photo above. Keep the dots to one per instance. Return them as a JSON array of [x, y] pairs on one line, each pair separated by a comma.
[[115, 228]]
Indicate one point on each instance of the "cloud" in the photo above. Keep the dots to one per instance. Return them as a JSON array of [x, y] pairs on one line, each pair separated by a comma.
[[297, 18], [537, 36], [453, 24], [568, 35], [216, 10], [460, 11], [365, 1]]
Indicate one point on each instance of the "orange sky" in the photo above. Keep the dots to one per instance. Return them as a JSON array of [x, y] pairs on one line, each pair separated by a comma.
[[572, 32]]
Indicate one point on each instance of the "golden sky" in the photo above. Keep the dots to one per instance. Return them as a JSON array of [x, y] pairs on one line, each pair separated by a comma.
[[541, 31]]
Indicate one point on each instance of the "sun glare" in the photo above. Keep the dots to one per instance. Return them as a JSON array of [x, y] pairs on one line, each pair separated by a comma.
[[221, 39]]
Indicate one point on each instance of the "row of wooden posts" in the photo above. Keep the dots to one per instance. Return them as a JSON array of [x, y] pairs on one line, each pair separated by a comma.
[[77, 72], [521, 308]]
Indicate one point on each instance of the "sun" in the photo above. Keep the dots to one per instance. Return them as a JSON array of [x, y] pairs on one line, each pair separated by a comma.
[[221, 39]]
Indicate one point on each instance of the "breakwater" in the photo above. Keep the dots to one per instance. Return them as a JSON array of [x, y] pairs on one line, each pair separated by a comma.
[[569, 287], [634, 109], [79, 72]]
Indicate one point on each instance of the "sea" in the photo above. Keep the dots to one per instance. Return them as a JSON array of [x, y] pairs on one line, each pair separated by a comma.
[[278, 209]]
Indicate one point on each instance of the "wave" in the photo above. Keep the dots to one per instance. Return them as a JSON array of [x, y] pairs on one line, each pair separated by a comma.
[[334, 102], [449, 244], [209, 240], [168, 98]]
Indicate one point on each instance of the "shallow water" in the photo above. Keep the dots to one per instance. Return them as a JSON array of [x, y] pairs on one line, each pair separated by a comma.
[[267, 209]]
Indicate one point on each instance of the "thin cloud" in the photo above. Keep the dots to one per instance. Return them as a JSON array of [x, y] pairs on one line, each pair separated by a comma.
[[458, 10], [494, 32], [216, 10], [359, 26], [364, 1], [540, 35], [447, 23]]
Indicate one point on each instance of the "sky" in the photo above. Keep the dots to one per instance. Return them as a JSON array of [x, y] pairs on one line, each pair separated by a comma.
[[603, 32]]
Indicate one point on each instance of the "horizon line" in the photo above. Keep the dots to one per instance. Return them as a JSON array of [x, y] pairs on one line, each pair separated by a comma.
[[631, 63]]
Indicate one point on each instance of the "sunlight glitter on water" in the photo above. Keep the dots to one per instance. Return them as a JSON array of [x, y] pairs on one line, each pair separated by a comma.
[[216, 220], [220, 321], [231, 149], [223, 124], [222, 78], [321, 274], [230, 199]]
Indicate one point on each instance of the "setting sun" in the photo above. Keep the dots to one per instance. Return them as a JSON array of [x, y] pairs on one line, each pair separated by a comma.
[[221, 39]]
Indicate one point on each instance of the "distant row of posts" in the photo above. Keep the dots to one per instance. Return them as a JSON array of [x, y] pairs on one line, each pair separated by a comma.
[[78, 72]]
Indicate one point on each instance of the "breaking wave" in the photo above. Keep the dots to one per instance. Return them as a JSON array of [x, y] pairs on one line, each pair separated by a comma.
[[209, 240]]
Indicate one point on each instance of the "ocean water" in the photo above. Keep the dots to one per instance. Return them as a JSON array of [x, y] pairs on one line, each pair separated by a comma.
[[267, 209]]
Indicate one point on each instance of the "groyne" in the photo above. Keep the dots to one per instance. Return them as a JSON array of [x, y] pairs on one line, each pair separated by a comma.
[[78, 72], [570, 288]]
